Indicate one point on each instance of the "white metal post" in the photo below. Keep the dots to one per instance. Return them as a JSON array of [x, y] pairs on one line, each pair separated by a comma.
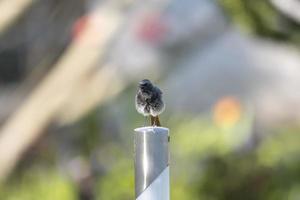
[[152, 163]]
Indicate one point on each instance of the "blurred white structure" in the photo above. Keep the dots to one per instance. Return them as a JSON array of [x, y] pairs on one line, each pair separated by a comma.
[[289, 8], [215, 60]]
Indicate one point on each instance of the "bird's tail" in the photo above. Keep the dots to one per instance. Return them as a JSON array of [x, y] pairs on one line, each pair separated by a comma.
[[155, 121]]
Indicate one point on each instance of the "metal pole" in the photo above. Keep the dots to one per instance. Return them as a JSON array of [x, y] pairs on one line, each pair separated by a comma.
[[152, 163]]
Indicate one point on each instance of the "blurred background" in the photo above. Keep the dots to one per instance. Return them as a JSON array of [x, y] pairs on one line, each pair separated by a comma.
[[230, 75]]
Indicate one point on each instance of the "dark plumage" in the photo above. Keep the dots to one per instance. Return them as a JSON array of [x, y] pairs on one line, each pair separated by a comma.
[[148, 101]]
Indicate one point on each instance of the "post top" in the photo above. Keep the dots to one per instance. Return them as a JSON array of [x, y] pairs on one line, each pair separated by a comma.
[[151, 129]]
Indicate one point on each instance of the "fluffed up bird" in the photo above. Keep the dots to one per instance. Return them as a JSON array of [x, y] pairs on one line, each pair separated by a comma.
[[148, 101]]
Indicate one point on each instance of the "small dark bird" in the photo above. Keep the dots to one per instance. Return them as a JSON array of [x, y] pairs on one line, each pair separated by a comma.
[[148, 101]]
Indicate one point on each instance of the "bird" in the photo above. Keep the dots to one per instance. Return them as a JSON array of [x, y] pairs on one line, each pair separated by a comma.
[[148, 101]]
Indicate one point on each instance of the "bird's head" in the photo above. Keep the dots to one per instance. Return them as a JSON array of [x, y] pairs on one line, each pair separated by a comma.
[[146, 87], [145, 84]]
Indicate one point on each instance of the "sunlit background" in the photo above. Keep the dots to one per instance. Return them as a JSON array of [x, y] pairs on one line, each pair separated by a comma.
[[230, 75]]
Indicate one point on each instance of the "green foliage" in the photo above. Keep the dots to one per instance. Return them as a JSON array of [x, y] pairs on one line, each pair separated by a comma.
[[284, 147], [118, 183], [89, 136], [193, 144], [261, 18], [38, 184], [209, 161]]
